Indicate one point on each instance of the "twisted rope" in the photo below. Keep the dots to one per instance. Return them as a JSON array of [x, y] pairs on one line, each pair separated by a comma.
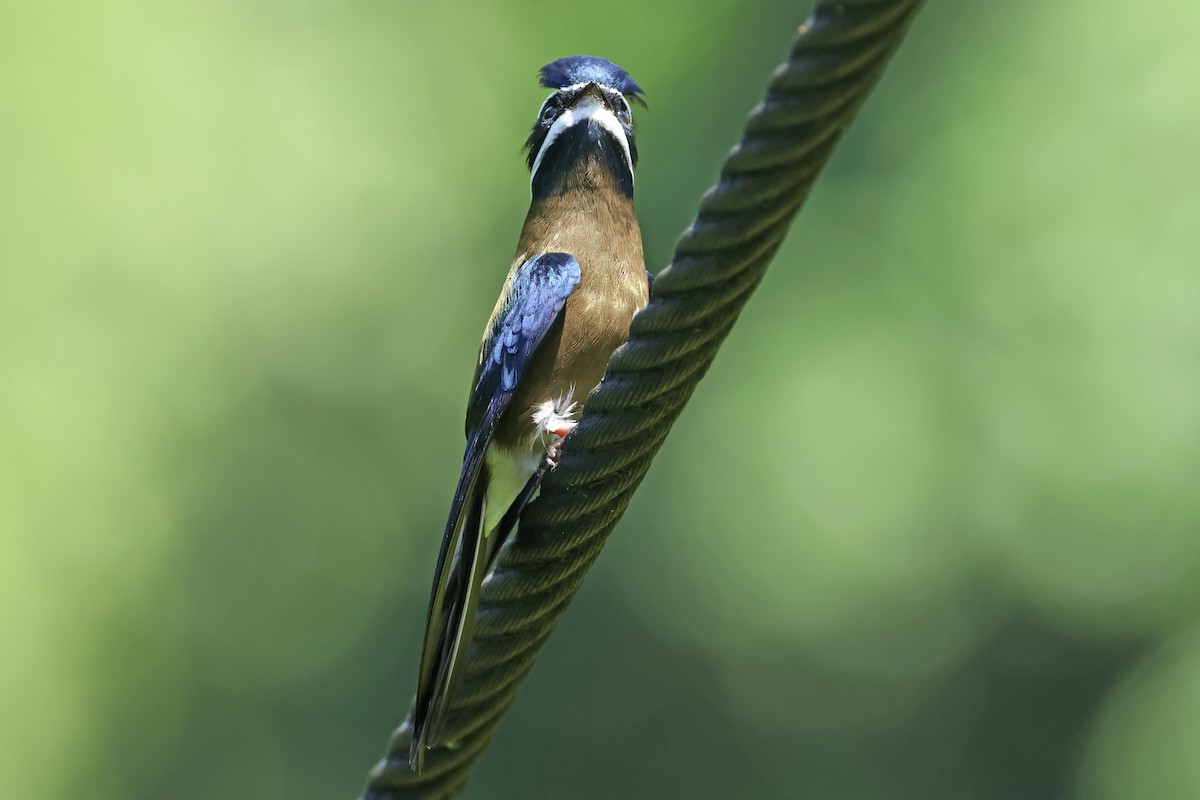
[[839, 54]]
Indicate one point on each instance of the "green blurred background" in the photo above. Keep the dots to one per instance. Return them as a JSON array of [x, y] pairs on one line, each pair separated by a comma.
[[927, 530]]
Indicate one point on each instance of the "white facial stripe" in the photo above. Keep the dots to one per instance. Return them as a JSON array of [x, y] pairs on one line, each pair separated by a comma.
[[588, 109]]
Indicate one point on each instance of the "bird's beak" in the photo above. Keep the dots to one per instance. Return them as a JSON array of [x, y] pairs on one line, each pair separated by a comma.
[[593, 91]]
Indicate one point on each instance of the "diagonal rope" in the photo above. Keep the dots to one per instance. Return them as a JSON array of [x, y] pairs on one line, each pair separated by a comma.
[[812, 98]]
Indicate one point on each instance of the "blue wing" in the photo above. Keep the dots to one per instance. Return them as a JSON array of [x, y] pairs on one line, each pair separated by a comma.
[[536, 294]]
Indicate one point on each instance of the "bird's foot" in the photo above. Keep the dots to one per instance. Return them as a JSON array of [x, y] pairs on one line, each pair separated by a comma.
[[553, 420], [555, 449]]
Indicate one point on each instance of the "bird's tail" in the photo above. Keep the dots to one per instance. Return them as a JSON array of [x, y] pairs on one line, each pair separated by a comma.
[[449, 628], [452, 611]]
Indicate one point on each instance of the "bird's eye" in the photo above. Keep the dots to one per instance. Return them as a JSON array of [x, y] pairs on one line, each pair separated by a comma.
[[623, 116], [549, 113]]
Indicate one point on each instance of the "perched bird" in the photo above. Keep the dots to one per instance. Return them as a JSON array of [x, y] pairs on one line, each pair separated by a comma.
[[576, 281]]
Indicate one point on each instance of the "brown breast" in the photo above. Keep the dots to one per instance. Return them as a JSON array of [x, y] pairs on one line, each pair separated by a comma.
[[596, 225]]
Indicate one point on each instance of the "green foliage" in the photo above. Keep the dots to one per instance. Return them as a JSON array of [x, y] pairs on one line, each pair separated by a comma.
[[928, 529]]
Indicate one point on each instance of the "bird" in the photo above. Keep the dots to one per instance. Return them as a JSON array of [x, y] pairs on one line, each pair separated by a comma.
[[577, 279]]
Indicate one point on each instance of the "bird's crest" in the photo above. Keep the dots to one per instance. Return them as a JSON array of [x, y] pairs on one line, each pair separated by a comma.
[[573, 70]]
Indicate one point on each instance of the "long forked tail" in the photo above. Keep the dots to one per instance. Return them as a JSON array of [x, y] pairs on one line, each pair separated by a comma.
[[448, 629], [452, 612]]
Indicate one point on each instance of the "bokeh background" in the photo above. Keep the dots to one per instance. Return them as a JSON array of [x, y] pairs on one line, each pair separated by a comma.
[[929, 528]]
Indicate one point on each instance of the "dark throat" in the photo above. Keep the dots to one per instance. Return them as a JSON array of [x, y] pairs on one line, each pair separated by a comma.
[[587, 159]]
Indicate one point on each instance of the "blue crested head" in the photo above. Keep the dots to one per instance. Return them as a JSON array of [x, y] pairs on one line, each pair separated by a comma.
[[573, 70], [585, 120]]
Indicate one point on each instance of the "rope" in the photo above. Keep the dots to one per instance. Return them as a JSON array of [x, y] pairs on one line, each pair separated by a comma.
[[720, 259]]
